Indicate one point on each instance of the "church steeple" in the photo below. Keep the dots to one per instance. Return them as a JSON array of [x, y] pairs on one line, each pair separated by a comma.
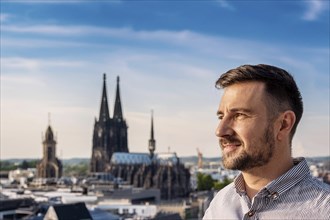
[[104, 110], [49, 166], [118, 113], [110, 134], [152, 141]]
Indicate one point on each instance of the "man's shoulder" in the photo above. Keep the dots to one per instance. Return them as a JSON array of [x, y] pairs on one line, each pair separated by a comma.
[[308, 199], [311, 193], [316, 185]]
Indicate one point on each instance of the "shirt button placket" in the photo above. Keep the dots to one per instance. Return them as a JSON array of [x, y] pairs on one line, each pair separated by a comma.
[[274, 195], [251, 213]]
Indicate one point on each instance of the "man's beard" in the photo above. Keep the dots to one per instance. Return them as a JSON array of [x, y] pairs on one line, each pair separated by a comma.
[[259, 155]]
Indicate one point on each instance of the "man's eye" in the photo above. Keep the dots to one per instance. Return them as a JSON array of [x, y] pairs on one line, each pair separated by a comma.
[[220, 117], [239, 116]]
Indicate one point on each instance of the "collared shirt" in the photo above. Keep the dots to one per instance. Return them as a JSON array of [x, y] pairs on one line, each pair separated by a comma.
[[294, 195]]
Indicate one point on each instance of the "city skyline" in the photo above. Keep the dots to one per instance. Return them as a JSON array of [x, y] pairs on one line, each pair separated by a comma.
[[168, 56]]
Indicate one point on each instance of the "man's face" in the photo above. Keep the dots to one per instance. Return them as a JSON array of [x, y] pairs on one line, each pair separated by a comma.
[[245, 131]]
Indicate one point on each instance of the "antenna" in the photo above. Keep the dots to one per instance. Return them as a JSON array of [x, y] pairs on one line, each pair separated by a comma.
[[49, 118]]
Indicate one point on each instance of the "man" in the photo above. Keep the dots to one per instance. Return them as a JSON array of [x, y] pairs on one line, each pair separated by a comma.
[[259, 113]]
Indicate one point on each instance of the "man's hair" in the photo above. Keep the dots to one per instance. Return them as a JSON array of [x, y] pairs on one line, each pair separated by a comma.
[[279, 85]]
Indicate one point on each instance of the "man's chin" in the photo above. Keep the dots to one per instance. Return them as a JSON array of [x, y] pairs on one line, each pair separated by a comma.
[[228, 162], [230, 155], [234, 161]]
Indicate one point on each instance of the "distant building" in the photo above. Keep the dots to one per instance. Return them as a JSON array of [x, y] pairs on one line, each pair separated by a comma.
[[76, 211], [16, 208], [146, 170], [110, 134], [162, 171], [49, 166], [21, 176]]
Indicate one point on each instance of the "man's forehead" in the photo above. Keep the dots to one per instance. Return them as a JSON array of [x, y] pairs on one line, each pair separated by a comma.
[[244, 94], [248, 85], [244, 88]]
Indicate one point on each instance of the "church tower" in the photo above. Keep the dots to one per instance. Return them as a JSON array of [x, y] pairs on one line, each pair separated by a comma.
[[110, 134], [119, 124], [152, 141], [50, 166]]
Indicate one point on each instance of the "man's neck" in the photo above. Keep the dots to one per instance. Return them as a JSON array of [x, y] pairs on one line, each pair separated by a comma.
[[258, 177]]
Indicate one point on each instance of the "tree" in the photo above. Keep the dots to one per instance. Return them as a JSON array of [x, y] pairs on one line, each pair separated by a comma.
[[24, 165], [7, 166], [204, 182], [28, 164], [80, 169], [220, 185]]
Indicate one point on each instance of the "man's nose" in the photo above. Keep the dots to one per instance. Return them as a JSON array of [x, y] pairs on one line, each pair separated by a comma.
[[224, 129]]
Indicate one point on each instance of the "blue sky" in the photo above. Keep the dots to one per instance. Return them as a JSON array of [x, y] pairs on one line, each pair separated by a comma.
[[168, 55]]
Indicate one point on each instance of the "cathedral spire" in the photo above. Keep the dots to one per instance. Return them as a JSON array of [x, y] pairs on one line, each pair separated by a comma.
[[118, 113], [152, 126], [152, 141], [104, 110]]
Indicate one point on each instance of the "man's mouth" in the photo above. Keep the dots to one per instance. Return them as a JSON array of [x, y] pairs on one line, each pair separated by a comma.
[[229, 146]]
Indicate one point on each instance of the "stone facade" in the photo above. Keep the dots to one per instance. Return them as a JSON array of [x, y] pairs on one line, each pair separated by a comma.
[[110, 134], [49, 166], [173, 180]]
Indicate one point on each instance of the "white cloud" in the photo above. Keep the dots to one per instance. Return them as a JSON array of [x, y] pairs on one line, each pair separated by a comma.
[[4, 17], [225, 4], [12, 64], [314, 9], [44, 29], [41, 43], [127, 33], [204, 44], [21, 80], [50, 1]]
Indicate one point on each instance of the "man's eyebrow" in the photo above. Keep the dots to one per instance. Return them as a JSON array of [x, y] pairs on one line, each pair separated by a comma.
[[245, 110], [219, 113]]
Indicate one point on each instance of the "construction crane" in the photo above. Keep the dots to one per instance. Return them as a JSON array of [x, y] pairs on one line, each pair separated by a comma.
[[200, 159]]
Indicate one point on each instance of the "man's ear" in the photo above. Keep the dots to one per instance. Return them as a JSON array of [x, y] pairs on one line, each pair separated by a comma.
[[287, 120]]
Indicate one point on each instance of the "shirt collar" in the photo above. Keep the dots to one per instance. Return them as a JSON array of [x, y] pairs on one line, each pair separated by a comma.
[[298, 172], [275, 188], [240, 184]]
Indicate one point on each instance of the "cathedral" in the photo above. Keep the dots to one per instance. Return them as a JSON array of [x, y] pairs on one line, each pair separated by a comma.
[[49, 166], [147, 170], [110, 134], [162, 170]]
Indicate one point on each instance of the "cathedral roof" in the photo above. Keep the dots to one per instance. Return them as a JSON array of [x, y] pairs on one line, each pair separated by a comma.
[[143, 158], [166, 158], [130, 158]]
